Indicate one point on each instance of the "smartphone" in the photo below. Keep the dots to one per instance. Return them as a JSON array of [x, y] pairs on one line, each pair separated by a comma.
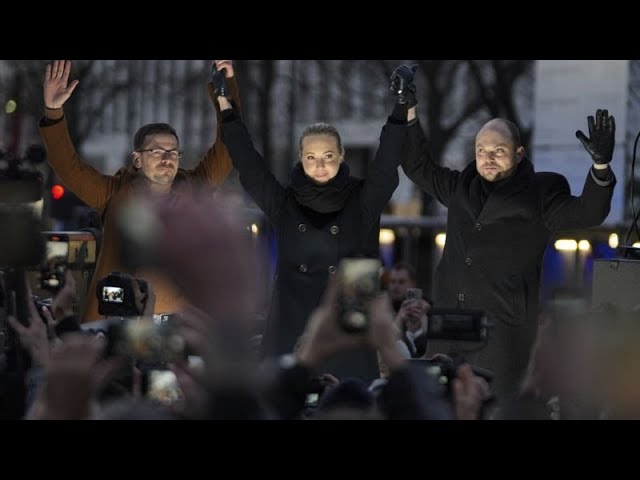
[[414, 294], [162, 387], [359, 283], [311, 400], [54, 267], [153, 345]]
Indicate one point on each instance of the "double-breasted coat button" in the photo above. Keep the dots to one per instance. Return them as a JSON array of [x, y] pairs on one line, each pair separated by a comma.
[[302, 227], [332, 269], [478, 226], [468, 261], [334, 229], [303, 268], [461, 297]]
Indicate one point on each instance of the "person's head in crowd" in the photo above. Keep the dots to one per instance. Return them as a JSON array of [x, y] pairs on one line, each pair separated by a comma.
[[401, 277]]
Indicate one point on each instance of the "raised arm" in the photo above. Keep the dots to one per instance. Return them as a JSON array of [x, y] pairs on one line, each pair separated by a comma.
[[382, 178], [216, 164], [418, 164], [86, 182], [563, 211], [255, 177]]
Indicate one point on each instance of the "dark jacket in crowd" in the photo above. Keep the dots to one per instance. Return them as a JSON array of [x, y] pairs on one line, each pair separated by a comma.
[[314, 235], [106, 193], [495, 244]]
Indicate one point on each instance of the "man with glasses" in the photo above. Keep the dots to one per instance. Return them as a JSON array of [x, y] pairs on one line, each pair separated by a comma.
[[154, 170]]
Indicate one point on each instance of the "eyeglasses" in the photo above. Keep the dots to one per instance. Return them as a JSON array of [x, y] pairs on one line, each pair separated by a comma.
[[161, 152]]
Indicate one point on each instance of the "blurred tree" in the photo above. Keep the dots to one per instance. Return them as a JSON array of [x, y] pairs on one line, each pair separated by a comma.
[[502, 85]]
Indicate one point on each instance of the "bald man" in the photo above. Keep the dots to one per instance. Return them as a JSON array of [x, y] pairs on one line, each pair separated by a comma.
[[501, 214]]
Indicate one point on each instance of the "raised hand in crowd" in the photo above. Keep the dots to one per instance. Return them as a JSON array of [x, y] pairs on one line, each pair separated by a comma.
[[469, 393], [325, 337], [34, 336], [74, 376], [412, 314]]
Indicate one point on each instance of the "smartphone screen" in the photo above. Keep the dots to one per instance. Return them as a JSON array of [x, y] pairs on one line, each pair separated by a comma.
[[57, 249], [53, 270], [414, 293], [163, 387], [311, 400], [151, 344], [359, 284]]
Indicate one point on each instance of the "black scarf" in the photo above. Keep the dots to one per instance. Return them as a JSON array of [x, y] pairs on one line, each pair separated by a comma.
[[328, 198]]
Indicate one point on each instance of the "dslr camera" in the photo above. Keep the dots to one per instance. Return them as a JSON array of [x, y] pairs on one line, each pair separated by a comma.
[[121, 295]]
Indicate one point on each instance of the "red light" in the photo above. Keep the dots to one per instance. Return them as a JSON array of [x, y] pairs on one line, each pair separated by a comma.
[[57, 192]]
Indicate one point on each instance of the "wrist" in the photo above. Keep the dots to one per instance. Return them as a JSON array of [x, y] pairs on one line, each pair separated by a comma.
[[308, 356], [53, 113], [412, 114], [391, 357]]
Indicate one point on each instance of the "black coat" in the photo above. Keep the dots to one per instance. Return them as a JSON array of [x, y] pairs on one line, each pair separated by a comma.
[[493, 254], [311, 244]]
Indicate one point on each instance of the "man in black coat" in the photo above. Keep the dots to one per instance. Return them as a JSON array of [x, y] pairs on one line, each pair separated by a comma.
[[501, 214]]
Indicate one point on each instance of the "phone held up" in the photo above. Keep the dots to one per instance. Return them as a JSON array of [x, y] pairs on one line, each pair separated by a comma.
[[359, 284]]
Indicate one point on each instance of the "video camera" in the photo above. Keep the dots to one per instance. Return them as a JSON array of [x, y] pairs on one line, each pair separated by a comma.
[[121, 295]]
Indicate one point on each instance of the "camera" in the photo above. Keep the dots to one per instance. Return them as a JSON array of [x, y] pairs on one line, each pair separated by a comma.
[[359, 281], [121, 295], [457, 325], [152, 344]]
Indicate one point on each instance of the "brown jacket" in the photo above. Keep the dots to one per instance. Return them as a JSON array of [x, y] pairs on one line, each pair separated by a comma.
[[106, 192]]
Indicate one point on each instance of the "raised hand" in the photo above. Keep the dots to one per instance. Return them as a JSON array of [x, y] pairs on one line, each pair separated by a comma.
[[56, 88], [226, 65], [402, 86], [602, 134], [221, 70], [33, 336]]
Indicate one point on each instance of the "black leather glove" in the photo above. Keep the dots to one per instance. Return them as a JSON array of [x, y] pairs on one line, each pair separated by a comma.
[[218, 79], [602, 132], [401, 84]]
